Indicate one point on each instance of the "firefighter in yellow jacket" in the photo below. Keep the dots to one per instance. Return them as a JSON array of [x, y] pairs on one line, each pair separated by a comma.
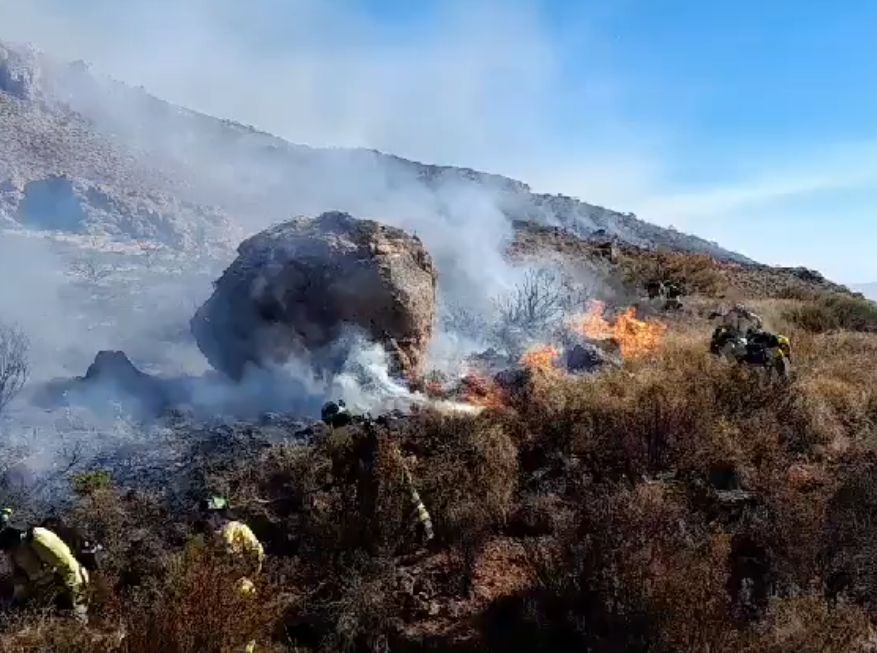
[[43, 568], [239, 542], [236, 538]]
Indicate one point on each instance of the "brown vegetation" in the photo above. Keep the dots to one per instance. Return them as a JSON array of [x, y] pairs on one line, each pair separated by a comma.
[[680, 503], [833, 312]]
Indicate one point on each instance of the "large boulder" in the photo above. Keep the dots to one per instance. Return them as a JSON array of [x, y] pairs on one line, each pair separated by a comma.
[[298, 287]]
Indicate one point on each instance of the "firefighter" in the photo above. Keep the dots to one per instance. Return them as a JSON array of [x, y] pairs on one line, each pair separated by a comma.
[[655, 289], [85, 549], [772, 351], [741, 336], [366, 450], [735, 326], [335, 414], [44, 568], [238, 541], [236, 538], [740, 320], [421, 514]]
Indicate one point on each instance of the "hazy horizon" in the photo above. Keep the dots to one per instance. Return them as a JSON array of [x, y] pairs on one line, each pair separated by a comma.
[[749, 125]]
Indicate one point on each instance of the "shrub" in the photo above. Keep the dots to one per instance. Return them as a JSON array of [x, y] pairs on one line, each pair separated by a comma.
[[14, 368], [681, 503], [44, 633], [467, 476], [834, 311], [137, 534], [685, 411], [810, 625], [88, 482], [195, 608], [535, 308], [199, 608], [368, 612], [305, 503], [467, 471], [694, 273], [849, 549]]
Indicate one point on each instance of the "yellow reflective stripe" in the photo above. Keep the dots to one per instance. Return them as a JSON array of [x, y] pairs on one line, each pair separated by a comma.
[[55, 554]]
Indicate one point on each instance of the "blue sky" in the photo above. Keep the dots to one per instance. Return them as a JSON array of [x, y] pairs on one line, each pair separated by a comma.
[[751, 123]]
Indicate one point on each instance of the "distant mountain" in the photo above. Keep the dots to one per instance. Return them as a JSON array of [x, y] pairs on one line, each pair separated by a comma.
[[867, 289], [86, 154]]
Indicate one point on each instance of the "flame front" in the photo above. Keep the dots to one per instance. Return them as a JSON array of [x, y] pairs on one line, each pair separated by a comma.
[[481, 391], [635, 337], [543, 357]]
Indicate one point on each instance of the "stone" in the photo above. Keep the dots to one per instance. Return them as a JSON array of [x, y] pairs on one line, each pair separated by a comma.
[[298, 287]]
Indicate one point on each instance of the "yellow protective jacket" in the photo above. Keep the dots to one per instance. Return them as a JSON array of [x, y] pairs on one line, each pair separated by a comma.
[[41, 560], [241, 542]]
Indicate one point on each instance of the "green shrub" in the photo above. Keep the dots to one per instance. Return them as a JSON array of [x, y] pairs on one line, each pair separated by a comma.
[[88, 482]]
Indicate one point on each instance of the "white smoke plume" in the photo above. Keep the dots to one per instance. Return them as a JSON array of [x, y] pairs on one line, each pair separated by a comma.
[[342, 84]]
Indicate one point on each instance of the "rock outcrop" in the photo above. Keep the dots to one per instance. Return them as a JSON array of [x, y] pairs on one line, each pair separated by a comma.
[[298, 287], [113, 378], [165, 173], [115, 368], [20, 71]]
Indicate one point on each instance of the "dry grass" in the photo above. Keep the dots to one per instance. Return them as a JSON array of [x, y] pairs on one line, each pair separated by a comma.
[[664, 556], [693, 273], [195, 608], [678, 504], [833, 312]]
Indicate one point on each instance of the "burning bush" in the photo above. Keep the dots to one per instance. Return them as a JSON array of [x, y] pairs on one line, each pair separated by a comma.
[[634, 337]]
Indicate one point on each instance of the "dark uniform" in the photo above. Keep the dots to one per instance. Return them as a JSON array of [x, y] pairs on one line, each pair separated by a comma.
[[366, 453]]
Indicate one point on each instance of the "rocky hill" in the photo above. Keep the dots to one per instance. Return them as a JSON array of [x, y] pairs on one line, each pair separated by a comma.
[[86, 154], [595, 479], [867, 289]]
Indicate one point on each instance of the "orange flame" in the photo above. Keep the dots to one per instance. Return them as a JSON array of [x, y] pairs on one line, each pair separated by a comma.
[[635, 338], [542, 357], [481, 391]]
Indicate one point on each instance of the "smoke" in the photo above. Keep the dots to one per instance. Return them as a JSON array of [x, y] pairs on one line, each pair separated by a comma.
[[452, 86], [470, 87], [74, 296], [331, 78], [31, 298]]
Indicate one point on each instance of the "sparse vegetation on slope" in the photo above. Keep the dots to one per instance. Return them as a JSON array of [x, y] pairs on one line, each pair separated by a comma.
[[678, 504], [834, 312], [14, 363]]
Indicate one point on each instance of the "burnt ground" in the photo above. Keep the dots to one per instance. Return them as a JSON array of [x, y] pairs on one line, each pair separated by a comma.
[[677, 503]]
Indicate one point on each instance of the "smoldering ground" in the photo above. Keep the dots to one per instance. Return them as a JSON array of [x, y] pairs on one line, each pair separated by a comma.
[[62, 424]]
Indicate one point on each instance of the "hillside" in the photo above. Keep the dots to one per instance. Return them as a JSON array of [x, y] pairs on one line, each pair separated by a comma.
[[867, 289], [568, 467], [115, 159], [677, 503]]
